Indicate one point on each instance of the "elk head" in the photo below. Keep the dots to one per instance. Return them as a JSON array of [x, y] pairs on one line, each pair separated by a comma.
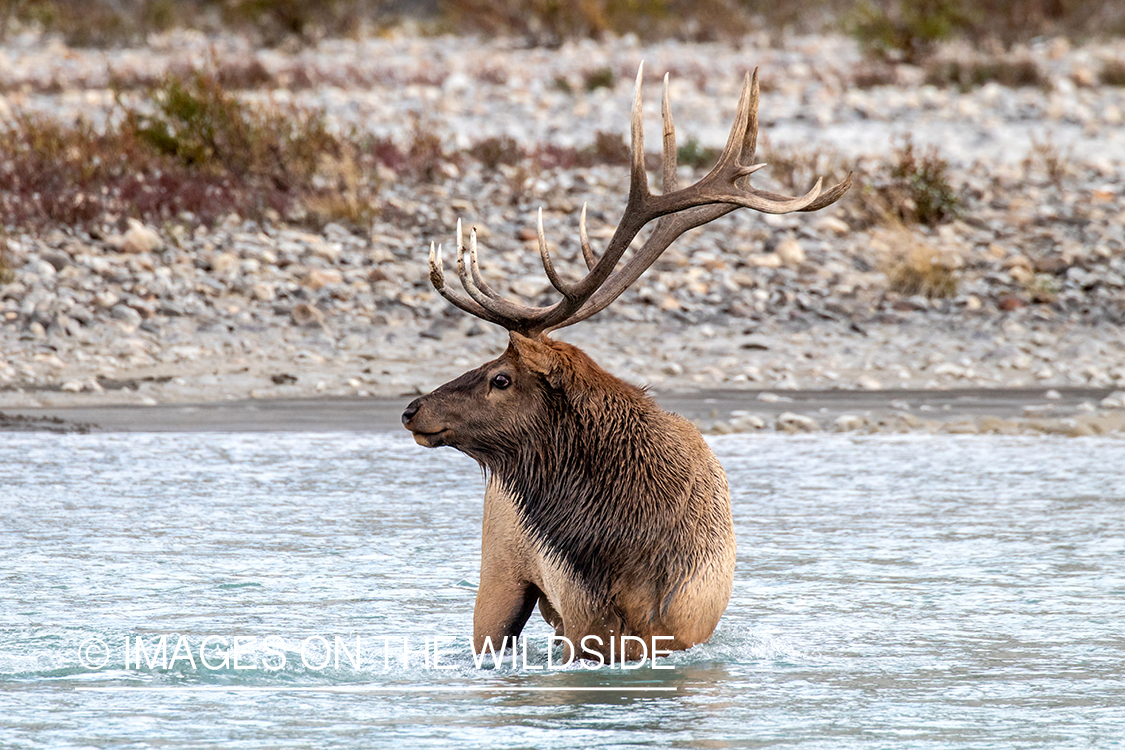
[[500, 402]]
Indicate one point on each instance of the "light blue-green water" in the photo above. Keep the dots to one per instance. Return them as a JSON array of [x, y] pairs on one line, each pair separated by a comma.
[[891, 592]]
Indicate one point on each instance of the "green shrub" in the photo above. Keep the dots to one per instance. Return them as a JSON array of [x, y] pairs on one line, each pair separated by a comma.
[[918, 189], [197, 122], [275, 21], [1015, 72], [600, 78], [696, 156], [908, 31], [186, 146], [551, 22]]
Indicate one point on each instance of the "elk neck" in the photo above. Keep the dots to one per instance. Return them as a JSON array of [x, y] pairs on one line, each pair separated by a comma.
[[601, 465]]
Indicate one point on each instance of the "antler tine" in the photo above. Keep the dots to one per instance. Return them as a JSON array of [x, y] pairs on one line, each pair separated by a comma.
[[638, 183], [474, 264], [437, 276], [830, 196], [587, 251], [465, 274], [566, 289], [511, 315], [437, 279], [663, 234], [721, 183], [732, 152], [468, 273], [669, 182], [750, 136]]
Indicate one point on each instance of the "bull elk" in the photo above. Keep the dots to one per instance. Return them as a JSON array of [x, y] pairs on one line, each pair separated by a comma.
[[610, 513]]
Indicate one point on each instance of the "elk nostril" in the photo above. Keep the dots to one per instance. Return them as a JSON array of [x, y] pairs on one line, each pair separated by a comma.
[[410, 412]]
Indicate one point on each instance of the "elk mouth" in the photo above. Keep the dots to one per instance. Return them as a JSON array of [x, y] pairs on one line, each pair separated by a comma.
[[430, 439]]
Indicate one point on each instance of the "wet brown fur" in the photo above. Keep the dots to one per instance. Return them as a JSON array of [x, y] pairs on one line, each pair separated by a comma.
[[610, 513]]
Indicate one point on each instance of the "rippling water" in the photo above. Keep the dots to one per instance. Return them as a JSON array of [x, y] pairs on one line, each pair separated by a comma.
[[905, 592]]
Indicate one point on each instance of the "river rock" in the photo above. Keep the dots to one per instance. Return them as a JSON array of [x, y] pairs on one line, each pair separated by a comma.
[[304, 314], [130, 318], [790, 252], [318, 278], [140, 239], [1115, 400], [792, 422], [848, 423]]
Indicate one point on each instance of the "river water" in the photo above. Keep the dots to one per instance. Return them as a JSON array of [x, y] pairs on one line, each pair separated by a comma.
[[890, 592]]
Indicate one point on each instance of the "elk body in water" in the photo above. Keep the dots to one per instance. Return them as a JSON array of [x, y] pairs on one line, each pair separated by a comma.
[[610, 513]]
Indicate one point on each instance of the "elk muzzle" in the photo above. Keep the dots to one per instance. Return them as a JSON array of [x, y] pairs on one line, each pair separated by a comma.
[[420, 421]]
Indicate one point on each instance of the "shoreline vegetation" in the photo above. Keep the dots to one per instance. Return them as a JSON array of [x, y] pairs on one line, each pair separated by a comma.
[[891, 29], [218, 207]]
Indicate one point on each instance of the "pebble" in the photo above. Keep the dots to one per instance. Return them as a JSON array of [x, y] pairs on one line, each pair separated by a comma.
[[790, 252], [748, 423], [318, 278], [868, 383], [1115, 400], [849, 423], [792, 422], [129, 317], [304, 314], [140, 239]]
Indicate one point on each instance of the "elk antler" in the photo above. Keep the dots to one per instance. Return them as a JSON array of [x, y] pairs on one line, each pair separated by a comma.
[[675, 211]]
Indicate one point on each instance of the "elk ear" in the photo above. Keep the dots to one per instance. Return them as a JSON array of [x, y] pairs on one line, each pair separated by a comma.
[[539, 357]]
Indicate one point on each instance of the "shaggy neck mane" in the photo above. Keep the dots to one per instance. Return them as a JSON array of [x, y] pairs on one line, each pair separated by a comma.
[[587, 478]]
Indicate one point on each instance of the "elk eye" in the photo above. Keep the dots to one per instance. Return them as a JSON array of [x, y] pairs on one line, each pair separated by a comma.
[[501, 381]]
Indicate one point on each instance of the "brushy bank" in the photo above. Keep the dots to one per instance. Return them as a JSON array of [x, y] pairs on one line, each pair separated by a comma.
[[901, 29], [189, 151]]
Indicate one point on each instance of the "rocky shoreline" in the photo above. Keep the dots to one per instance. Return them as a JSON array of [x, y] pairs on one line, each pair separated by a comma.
[[1071, 412], [172, 314]]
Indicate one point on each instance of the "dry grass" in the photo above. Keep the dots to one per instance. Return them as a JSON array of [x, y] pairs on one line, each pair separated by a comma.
[[1041, 288], [1112, 73], [1016, 72], [492, 152], [7, 275], [914, 267], [551, 22], [1047, 158], [345, 194], [874, 73]]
